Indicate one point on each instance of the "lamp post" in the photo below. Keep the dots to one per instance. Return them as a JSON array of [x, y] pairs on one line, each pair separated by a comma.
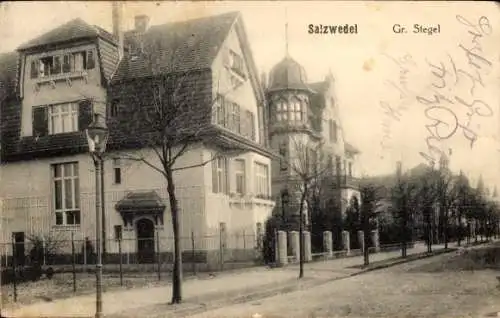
[[97, 136]]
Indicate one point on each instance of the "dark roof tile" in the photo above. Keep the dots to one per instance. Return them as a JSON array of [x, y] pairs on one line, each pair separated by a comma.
[[319, 87], [180, 46], [72, 30], [8, 73]]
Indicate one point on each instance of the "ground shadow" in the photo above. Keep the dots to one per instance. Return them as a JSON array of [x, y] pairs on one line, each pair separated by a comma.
[[483, 258]]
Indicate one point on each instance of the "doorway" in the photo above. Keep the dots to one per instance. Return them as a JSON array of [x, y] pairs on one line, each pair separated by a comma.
[[145, 241], [19, 254]]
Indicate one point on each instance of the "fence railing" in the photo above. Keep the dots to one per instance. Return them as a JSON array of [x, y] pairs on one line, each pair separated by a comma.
[[212, 249]]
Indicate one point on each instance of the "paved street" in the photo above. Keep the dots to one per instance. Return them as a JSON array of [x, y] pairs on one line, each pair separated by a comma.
[[153, 300], [424, 288]]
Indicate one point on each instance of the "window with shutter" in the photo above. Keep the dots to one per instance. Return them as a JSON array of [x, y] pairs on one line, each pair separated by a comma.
[[56, 66], [90, 60], [84, 114], [66, 63], [34, 69], [40, 121]]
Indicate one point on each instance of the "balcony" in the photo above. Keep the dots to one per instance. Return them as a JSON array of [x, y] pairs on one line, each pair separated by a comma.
[[64, 77], [345, 181]]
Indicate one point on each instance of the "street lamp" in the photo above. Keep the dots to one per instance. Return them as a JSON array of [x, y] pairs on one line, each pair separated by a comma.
[[97, 136]]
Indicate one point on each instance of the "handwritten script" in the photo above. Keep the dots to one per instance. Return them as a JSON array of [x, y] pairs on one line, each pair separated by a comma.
[[394, 111], [447, 98]]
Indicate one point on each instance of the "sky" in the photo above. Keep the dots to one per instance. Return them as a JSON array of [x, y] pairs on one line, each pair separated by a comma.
[[371, 68]]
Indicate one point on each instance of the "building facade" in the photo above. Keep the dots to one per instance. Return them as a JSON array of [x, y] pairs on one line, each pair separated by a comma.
[[305, 117], [64, 77]]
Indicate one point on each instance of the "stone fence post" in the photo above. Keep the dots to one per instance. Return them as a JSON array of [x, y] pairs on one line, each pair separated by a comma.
[[346, 242], [328, 244], [307, 246], [361, 240], [293, 238], [281, 251], [376, 240]]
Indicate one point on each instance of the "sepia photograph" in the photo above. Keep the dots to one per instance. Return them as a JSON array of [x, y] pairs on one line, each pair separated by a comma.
[[250, 159]]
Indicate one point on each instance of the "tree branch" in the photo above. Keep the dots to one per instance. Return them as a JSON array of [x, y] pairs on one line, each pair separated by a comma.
[[142, 159]]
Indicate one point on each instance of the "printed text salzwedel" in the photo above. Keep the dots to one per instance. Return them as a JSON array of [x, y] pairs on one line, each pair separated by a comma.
[[332, 29]]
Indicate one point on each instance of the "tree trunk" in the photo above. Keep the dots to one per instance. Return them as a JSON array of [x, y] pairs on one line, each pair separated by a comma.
[[366, 231], [301, 235], [445, 228], [429, 232], [174, 210]]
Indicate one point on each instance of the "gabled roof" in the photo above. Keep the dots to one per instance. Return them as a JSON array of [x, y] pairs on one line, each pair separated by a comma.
[[73, 30], [179, 47], [140, 201], [350, 148], [319, 87]]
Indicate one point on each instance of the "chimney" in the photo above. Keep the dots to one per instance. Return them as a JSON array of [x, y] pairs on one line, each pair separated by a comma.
[[118, 26], [141, 23]]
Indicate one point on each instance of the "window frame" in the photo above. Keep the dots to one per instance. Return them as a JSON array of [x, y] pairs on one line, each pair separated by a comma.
[[261, 179], [219, 175], [117, 171], [66, 63], [236, 63], [54, 117], [64, 212], [239, 175]]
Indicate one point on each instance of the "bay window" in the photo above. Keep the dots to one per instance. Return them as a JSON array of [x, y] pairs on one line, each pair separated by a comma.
[[293, 111], [261, 180], [219, 175]]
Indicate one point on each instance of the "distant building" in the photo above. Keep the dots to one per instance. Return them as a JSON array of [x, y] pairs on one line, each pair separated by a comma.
[[51, 87]]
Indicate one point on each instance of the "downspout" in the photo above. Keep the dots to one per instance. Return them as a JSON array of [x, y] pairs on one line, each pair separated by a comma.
[[103, 213]]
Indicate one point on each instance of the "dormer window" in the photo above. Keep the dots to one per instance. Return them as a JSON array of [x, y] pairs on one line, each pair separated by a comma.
[[63, 63]]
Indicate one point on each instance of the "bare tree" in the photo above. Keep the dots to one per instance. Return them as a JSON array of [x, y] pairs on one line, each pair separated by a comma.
[[307, 165], [447, 196], [368, 213], [404, 203], [171, 109], [462, 190], [426, 196]]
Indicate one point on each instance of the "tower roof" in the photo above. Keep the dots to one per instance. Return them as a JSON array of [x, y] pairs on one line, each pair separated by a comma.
[[288, 74]]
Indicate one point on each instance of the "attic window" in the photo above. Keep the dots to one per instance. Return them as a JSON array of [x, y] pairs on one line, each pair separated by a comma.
[[235, 63], [63, 64], [46, 65]]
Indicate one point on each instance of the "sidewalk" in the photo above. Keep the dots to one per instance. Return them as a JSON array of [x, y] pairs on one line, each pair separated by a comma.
[[202, 290]]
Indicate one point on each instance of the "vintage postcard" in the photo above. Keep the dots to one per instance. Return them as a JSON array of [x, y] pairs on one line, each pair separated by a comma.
[[250, 159]]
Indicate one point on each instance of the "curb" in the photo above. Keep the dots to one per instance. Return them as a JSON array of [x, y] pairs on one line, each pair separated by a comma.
[[220, 301], [409, 259]]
